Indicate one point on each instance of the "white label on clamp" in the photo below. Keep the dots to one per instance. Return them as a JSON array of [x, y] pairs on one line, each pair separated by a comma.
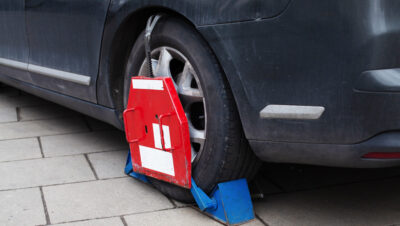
[[157, 160], [147, 84], [157, 136]]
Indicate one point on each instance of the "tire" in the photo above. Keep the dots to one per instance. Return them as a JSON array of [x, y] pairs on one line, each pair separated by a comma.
[[225, 154]]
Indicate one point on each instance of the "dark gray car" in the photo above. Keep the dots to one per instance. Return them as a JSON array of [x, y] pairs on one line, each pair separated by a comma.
[[310, 81]]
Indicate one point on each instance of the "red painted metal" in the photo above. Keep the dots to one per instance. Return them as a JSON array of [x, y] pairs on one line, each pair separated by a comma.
[[382, 155], [148, 107]]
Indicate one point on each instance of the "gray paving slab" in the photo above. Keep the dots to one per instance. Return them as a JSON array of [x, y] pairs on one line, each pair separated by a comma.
[[261, 186], [367, 203], [27, 129], [113, 221], [254, 222], [21, 101], [45, 112], [292, 178], [47, 171], [8, 91], [8, 115], [95, 124], [19, 149], [109, 164], [21, 207], [176, 217], [102, 198], [181, 204], [79, 143], [97, 202]]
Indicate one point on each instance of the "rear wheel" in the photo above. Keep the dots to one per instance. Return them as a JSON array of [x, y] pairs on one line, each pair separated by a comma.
[[169, 62], [220, 151]]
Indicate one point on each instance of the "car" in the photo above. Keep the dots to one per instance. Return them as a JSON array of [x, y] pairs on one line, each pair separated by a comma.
[[288, 81]]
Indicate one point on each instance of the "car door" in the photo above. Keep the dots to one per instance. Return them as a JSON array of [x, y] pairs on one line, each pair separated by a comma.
[[14, 50], [65, 40]]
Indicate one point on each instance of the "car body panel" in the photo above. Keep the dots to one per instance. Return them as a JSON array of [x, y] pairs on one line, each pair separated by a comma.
[[13, 40], [66, 35], [197, 12], [330, 54], [312, 55]]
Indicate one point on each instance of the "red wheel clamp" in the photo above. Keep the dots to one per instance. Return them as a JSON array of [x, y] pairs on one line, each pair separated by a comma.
[[158, 134], [157, 131]]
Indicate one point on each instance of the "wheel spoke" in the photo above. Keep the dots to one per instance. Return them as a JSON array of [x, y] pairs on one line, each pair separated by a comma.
[[154, 64], [162, 68], [188, 100], [196, 136], [194, 153], [185, 78], [187, 94]]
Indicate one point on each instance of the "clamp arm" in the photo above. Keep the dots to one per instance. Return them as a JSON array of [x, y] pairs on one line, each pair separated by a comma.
[[151, 23]]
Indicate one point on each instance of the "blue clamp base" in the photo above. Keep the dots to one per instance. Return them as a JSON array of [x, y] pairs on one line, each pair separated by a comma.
[[230, 202], [129, 170]]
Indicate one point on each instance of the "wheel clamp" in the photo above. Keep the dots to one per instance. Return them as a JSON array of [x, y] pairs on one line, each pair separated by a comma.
[[158, 135]]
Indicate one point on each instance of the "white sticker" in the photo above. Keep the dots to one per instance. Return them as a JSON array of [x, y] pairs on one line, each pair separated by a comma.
[[147, 84], [167, 138], [157, 160], [157, 136]]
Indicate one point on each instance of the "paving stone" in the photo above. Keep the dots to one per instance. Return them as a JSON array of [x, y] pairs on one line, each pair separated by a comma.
[[95, 124], [254, 222], [47, 171], [102, 198], [109, 164], [261, 186], [8, 114], [176, 217], [9, 91], [181, 204], [40, 112], [21, 101], [368, 203], [290, 177], [21, 207], [19, 149], [79, 143], [26, 129], [113, 221]]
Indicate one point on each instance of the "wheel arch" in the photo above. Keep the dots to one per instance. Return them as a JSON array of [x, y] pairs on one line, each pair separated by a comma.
[[122, 28], [121, 31]]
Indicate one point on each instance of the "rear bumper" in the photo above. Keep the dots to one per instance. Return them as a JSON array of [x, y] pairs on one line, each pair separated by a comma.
[[348, 155]]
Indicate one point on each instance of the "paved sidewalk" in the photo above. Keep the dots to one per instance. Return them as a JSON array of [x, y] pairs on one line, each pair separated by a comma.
[[58, 167]]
